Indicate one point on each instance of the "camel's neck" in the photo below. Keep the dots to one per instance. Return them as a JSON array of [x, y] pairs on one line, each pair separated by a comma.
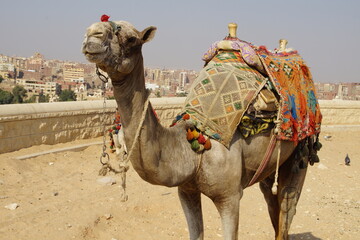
[[130, 95], [154, 147]]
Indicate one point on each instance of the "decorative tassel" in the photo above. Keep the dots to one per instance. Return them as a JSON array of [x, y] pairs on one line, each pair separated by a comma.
[[207, 144], [216, 136], [201, 139], [195, 145], [186, 116], [201, 148], [195, 134], [189, 135], [274, 188]]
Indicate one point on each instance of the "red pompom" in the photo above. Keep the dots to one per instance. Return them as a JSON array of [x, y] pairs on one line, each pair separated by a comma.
[[201, 139], [104, 18]]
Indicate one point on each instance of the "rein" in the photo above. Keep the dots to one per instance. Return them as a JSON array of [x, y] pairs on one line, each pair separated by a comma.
[[123, 165], [267, 156]]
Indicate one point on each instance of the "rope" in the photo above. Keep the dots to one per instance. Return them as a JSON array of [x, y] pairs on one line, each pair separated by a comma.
[[275, 184], [123, 165], [143, 115], [200, 156]]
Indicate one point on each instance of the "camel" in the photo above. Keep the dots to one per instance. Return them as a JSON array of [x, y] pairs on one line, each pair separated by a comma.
[[163, 156]]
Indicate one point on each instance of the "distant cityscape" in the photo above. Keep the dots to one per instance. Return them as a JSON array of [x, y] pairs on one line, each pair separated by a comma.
[[42, 77], [39, 76]]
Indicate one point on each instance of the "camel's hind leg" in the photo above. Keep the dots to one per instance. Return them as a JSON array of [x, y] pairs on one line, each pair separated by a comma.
[[191, 204], [282, 207]]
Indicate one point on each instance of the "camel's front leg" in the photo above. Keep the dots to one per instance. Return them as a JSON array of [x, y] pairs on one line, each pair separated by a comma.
[[191, 204], [228, 208]]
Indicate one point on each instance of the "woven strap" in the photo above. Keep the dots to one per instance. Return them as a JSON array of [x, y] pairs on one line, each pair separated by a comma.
[[265, 161]]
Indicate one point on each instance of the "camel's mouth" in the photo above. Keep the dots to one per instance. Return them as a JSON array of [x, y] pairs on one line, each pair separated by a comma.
[[93, 56], [94, 50]]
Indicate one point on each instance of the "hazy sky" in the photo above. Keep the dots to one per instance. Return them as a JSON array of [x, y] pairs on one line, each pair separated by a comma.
[[325, 32]]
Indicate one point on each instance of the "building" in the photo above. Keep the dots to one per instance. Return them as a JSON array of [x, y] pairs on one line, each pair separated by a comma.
[[349, 91], [5, 69], [326, 91], [72, 73], [345, 91], [35, 87]]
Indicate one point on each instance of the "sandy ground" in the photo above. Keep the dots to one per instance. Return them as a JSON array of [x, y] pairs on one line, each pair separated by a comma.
[[58, 197]]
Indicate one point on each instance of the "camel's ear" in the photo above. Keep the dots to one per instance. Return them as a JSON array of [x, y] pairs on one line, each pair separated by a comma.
[[148, 33]]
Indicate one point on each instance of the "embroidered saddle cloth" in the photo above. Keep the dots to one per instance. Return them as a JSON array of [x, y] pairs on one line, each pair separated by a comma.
[[300, 111], [229, 82], [221, 94]]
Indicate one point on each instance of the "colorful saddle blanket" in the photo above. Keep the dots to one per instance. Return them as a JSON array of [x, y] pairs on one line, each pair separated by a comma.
[[231, 81], [300, 111], [221, 94]]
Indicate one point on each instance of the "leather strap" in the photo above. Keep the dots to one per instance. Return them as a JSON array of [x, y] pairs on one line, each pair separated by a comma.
[[265, 161]]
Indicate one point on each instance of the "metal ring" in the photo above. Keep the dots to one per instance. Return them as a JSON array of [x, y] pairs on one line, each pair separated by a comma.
[[104, 155]]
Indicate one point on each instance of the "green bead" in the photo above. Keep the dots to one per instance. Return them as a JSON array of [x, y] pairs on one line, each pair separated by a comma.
[[195, 145]]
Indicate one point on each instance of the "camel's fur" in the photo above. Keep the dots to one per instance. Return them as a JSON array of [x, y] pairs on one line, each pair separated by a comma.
[[163, 156]]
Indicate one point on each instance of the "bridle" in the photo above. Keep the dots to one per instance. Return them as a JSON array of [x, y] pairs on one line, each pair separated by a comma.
[[116, 28]]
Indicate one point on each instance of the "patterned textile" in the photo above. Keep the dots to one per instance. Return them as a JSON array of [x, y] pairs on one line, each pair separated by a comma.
[[300, 111], [246, 49], [250, 125], [221, 93]]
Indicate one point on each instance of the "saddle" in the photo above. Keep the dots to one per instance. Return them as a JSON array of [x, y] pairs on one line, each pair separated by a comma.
[[247, 88]]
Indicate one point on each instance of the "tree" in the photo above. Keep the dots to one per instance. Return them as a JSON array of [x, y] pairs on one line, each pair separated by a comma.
[[43, 98], [67, 95], [19, 93], [32, 99], [158, 94], [6, 97]]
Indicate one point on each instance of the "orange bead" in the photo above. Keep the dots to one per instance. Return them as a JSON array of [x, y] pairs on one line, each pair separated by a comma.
[[189, 135], [207, 144], [186, 116]]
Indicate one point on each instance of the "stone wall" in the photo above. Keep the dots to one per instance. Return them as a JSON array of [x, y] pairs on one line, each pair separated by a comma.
[[340, 112], [24, 125]]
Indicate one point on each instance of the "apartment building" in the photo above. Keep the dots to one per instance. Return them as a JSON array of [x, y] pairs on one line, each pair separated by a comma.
[[72, 73], [36, 86]]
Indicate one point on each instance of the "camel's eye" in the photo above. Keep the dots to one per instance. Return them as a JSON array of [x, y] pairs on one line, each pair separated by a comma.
[[131, 39]]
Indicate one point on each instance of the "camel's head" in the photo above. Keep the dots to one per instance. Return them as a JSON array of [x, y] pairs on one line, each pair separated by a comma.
[[115, 46]]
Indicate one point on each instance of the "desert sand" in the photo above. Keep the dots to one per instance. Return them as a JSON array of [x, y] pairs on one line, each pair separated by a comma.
[[58, 197]]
